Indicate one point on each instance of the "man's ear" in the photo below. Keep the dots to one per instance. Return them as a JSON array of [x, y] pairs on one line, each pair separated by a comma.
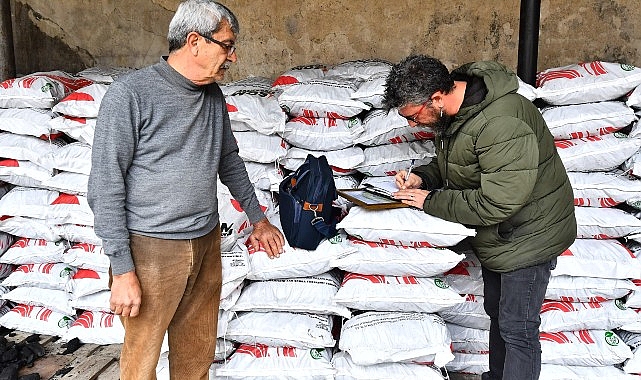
[[192, 42]]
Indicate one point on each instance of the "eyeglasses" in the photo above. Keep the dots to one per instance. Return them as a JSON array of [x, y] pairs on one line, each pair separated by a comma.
[[412, 117], [230, 49]]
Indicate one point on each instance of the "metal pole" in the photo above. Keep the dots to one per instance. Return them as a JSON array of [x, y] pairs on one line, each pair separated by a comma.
[[529, 40], [7, 57]]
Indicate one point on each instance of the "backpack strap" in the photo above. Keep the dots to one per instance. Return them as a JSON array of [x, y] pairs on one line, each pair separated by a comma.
[[325, 229]]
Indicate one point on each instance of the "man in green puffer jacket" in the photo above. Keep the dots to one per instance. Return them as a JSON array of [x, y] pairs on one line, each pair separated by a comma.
[[496, 170]]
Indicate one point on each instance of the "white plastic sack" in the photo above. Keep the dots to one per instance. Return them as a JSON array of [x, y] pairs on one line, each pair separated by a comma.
[[83, 102], [371, 91], [395, 260], [262, 362], [465, 279], [104, 74], [313, 294], [87, 281], [379, 337], [235, 263], [342, 161], [54, 299], [93, 302], [96, 327], [613, 260], [29, 148], [23, 173], [387, 160], [48, 276], [27, 121], [67, 182], [74, 157], [382, 127], [605, 223], [583, 348], [69, 208], [586, 82], [78, 128], [279, 329], [324, 97], [585, 120], [27, 202], [299, 74], [28, 227], [469, 340], [469, 363], [569, 316], [37, 320], [259, 109], [87, 256], [77, 233], [247, 84], [295, 262], [403, 226], [604, 189], [470, 313], [34, 251], [587, 289], [567, 372], [597, 153], [361, 68], [39, 90], [392, 293], [346, 369], [257, 147], [322, 133]]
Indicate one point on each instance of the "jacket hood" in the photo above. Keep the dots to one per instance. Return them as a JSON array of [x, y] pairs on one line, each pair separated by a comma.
[[498, 80]]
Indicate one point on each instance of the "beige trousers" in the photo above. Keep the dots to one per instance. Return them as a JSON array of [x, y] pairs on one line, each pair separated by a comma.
[[180, 281]]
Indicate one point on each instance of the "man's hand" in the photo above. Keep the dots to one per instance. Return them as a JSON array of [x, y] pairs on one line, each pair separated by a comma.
[[269, 237], [413, 182], [126, 295]]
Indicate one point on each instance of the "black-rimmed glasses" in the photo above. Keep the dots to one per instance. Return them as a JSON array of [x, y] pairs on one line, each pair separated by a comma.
[[230, 49]]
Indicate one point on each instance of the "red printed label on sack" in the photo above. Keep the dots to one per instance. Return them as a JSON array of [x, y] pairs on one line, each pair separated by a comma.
[[86, 273], [257, 351]]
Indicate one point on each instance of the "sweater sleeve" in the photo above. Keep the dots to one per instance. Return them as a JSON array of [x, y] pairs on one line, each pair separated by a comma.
[[508, 154], [233, 174], [112, 153]]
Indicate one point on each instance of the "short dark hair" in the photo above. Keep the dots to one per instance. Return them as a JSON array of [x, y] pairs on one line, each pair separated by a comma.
[[414, 80]]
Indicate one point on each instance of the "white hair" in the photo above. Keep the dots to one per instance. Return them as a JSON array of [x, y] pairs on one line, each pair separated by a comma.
[[201, 16]]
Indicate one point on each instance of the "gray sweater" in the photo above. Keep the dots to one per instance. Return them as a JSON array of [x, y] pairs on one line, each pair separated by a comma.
[[160, 143]]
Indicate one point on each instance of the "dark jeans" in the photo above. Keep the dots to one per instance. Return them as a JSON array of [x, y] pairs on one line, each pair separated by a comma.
[[513, 301]]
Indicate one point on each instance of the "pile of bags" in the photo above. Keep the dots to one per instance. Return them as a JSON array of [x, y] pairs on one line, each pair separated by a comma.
[[396, 292]]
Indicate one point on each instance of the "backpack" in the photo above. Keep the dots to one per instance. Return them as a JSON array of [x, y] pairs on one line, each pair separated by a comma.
[[305, 201]]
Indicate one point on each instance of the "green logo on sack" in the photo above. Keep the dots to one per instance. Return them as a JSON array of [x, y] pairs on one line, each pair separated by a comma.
[[620, 304], [336, 239], [316, 353], [66, 272], [627, 67], [611, 338], [65, 322], [441, 283]]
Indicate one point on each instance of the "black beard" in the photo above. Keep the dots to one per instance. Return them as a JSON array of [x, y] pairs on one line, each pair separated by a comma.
[[440, 125]]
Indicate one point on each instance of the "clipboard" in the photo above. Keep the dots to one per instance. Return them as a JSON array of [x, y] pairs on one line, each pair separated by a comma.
[[370, 200]]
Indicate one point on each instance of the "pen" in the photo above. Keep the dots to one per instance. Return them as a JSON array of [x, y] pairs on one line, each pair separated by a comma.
[[409, 171]]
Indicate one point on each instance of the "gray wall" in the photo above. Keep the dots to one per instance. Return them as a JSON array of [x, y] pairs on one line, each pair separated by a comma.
[[276, 35]]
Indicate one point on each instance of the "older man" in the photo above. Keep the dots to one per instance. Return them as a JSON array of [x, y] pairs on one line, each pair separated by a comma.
[[162, 139]]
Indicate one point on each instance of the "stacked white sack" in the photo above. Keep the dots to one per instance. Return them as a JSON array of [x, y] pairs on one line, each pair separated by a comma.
[[286, 306], [323, 117], [394, 278], [589, 123]]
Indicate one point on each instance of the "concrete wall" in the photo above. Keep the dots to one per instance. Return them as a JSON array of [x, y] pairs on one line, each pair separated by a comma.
[[278, 34]]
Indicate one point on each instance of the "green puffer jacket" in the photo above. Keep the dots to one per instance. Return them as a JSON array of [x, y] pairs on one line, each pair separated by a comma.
[[499, 172]]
